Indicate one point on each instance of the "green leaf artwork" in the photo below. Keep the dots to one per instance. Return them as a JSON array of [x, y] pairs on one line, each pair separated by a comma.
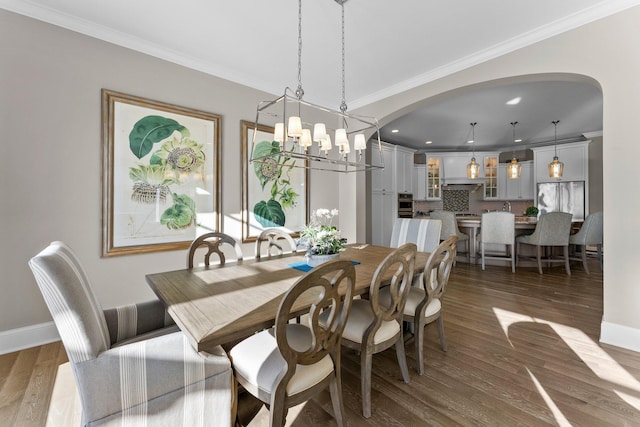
[[177, 158], [275, 171], [151, 129]]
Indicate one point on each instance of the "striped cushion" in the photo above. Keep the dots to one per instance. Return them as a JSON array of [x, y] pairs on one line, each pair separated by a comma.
[[425, 233]]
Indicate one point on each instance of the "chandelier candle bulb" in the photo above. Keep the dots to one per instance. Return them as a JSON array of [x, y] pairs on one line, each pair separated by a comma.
[[326, 144], [305, 139]]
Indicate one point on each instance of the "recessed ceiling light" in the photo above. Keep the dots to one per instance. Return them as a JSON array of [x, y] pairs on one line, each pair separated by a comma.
[[470, 141], [514, 101], [517, 140], [395, 131], [428, 142]]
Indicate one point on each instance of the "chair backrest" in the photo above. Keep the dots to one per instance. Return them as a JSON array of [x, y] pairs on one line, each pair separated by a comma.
[[498, 227], [449, 223], [328, 287], [213, 242], [74, 307], [425, 233], [278, 242], [438, 269], [591, 231], [552, 229], [399, 264]]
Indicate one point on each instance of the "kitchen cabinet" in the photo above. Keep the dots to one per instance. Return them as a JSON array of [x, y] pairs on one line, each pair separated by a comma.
[[516, 189], [420, 182], [404, 169], [491, 177], [383, 214], [575, 157], [434, 178], [383, 179]]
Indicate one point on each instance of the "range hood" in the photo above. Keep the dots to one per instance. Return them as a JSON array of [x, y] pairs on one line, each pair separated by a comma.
[[462, 181]]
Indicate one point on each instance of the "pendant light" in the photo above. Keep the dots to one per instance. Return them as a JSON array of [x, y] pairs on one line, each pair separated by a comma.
[[473, 168], [556, 167], [514, 168]]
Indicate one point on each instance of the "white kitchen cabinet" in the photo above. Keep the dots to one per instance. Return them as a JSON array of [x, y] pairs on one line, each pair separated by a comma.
[[404, 169], [519, 188], [383, 214], [434, 178], [575, 157], [491, 185], [383, 179], [420, 182]]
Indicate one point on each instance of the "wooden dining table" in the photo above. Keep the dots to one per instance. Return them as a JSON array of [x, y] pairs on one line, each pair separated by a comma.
[[219, 304]]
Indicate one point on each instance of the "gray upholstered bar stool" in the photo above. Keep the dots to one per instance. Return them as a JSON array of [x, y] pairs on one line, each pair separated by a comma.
[[450, 228], [590, 234], [498, 228]]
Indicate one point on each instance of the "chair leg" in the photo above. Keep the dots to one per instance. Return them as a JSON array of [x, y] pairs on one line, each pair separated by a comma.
[[600, 256], [513, 258], [539, 254], [335, 388], [419, 343], [584, 259], [443, 340], [402, 359], [567, 267], [365, 382], [482, 254]]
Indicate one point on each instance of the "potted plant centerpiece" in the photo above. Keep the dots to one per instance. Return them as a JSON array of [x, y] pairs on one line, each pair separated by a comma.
[[532, 213], [321, 237]]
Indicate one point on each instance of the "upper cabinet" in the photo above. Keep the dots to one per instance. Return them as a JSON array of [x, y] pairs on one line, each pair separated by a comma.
[[490, 177], [382, 180], [404, 169], [575, 157], [519, 188], [434, 178]]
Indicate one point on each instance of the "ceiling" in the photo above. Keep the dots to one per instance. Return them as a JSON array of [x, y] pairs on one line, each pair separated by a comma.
[[390, 46]]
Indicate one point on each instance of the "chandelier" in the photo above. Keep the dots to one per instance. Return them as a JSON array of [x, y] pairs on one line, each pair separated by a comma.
[[556, 167], [514, 168], [297, 124], [473, 168]]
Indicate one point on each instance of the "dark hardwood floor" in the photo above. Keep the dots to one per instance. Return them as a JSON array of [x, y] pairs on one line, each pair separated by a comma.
[[522, 351]]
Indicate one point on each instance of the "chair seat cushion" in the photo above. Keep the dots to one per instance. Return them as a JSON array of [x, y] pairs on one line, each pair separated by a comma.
[[359, 320], [258, 361], [416, 295], [148, 335]]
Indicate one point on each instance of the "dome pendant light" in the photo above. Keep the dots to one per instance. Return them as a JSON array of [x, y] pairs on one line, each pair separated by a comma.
[[556, 167], [514, 168], [473, 168]]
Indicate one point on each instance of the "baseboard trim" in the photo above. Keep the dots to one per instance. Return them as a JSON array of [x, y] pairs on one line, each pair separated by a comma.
[[620, 336], [27, 337]]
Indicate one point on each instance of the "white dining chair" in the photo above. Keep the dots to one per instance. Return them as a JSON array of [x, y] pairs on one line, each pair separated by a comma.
[[498, 228], [425, 233]]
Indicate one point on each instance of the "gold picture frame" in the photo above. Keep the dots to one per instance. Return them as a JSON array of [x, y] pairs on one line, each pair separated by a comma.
[[284, 195], [160, 174]]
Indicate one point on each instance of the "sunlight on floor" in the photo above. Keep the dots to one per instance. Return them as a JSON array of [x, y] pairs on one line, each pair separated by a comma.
[[560, 418], [590, 352]]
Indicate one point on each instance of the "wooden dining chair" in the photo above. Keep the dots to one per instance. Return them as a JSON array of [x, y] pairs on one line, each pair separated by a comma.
[[424, 302], [277, 240], [214, 242], [374, 327], [287, 364]]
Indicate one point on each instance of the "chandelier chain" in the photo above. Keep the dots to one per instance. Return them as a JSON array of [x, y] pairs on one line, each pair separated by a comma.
[[555, 137], [299, 90], [343, 105]]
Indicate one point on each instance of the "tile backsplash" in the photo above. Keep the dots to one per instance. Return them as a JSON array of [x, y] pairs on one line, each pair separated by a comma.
[[469, 201], [455, 200]]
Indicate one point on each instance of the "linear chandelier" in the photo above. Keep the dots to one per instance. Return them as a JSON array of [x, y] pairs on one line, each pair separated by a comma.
[[298, 124]]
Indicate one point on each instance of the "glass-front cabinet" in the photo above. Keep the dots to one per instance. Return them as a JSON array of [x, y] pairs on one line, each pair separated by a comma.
[[434, 178], [491, 177]]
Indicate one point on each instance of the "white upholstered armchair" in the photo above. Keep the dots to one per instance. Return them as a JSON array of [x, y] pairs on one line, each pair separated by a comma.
[[131, 365]]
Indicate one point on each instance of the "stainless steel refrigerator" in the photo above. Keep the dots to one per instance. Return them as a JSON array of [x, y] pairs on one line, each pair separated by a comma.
[[562, 197]]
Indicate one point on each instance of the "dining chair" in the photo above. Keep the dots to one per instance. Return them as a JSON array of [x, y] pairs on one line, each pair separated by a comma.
[[590, 234], [214, 242], [552, 230], [450, 228], [373, 327], [277, 240], [424, 301], [425, 233], [498, 228], [131, 364], [287, 364]]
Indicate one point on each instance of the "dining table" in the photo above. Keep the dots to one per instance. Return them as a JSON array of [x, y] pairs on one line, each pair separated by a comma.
[[219, 304]]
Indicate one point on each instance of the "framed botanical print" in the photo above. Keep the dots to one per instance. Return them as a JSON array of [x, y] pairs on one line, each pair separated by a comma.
[[160, 174], [274, 194]]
